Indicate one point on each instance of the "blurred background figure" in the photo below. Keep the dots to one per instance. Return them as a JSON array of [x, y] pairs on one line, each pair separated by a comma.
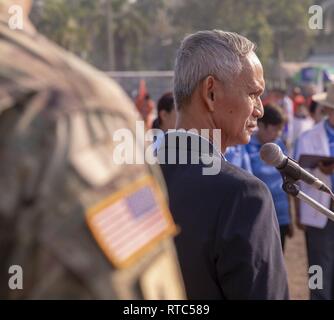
[[145, 104], [319, 229], [308, 91], [297, 98], [166, 113], [281, 99], [166, 118], [59, 185], [302, 121], [270, 130], [316, 111]]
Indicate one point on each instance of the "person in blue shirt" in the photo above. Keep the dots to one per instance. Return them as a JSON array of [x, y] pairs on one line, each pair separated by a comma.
[[238, 156], [270, 128]]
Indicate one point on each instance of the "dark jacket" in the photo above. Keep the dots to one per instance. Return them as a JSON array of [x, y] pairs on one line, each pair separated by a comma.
[[229, 245]]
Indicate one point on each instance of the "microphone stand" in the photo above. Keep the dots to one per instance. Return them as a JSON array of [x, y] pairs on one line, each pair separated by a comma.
[[290, 188]]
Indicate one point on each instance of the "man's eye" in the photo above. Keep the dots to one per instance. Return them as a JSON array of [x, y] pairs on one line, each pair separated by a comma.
[[253, 96]]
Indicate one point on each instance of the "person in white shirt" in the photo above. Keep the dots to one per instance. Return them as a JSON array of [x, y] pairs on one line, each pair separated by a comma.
[[319, 229]]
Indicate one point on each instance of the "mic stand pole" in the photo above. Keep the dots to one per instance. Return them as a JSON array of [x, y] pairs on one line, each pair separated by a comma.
[[290, 188]]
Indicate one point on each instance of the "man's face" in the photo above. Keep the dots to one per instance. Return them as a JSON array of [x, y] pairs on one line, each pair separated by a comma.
[[238, 104]]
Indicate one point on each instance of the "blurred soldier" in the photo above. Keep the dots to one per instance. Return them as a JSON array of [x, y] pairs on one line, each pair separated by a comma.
[[73, 224]]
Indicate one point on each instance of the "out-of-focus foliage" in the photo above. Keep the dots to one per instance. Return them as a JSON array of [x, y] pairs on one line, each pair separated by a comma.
[[144, 34], [273, 25], [72, 24], [82, 26]]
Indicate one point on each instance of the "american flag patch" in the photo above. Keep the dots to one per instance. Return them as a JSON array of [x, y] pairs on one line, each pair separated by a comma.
[[130, 222]]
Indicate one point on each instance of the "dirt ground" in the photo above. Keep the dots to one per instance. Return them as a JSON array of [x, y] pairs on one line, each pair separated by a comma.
[[296, 261]]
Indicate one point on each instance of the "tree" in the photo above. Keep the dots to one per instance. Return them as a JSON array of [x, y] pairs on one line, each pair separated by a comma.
[[273, 25], [289, 22], [67, 22], [99, 30], [144, 34]]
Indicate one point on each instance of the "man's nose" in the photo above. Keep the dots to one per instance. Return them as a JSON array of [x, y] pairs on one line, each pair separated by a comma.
[[258, 109]]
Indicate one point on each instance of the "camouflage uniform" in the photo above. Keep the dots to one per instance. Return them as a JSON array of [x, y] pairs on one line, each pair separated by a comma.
[[57, 117]]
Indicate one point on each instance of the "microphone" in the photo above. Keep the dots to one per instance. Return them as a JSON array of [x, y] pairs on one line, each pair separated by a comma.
[[273, 155]]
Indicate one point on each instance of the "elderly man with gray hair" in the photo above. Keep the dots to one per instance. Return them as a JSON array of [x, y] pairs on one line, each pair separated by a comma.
[[229, 245]]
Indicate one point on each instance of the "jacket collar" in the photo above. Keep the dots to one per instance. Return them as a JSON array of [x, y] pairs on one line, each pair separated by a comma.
[[189, 141]]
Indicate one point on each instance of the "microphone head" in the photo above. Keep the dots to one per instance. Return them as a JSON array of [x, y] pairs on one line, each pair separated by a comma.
[[272, 154]]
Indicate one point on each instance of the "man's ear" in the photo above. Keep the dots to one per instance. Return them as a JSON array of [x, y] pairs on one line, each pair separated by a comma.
[[208, 92]]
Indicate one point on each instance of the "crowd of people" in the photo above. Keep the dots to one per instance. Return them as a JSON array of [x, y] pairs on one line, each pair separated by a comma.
[[293, 119]]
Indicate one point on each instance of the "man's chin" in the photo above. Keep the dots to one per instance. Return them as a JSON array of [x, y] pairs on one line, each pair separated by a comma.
[[245, 139]]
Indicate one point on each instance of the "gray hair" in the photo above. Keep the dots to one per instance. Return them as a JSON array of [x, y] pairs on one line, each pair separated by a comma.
[[204, 53]]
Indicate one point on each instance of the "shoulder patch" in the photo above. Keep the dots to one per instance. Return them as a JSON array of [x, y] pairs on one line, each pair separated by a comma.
[[131, 222]]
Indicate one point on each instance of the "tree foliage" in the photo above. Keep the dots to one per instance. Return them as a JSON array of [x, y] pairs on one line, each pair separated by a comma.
[[144, 34]]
